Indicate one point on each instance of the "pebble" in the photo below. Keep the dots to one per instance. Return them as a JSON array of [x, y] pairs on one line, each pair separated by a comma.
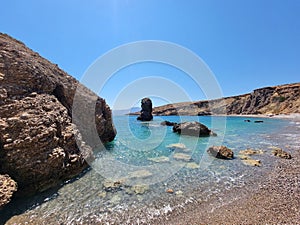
[[170, 191]]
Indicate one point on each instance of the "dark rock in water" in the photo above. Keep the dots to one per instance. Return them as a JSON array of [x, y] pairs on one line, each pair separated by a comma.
[[258, 121], [280, 153], [248, 121], [39, 140], [146, 112], [193, 129], [167, 123], [7, 187], [220, 152], [204, 113]]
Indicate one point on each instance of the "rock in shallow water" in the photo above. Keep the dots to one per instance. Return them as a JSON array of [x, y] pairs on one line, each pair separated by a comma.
[[160, 159], [177, 146], [193, 129], [167, 123], [251, 152], [182, 157], [280, 153], [220, 152], [140, 189], [249, 161]]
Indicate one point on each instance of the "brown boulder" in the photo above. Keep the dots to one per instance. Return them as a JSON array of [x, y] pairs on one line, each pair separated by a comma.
[[221, 152], [40, 145]]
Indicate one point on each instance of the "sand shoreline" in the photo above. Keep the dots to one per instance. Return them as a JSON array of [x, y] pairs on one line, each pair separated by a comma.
[[291, 116]]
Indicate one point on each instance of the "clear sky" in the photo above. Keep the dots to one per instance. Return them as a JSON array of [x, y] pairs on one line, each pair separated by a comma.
[[246, 43]]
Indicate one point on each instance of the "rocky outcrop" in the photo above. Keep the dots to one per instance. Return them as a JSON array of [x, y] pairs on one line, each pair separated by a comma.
[[40, 146], [269, 100], [7, 187], [146, 112], [220, 152], [193, 129]]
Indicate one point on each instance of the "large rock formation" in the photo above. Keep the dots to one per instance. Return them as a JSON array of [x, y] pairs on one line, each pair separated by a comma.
[[40, 146], [146, 112], [268, 100]]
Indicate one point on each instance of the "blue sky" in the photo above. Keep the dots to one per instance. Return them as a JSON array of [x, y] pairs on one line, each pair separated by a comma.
[[246, 43]]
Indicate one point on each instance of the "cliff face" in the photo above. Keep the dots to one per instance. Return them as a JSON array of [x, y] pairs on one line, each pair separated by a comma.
[[269, 100], [38, 148]]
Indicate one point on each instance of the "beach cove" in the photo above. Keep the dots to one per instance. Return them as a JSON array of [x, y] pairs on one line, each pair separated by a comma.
[[195, 192]]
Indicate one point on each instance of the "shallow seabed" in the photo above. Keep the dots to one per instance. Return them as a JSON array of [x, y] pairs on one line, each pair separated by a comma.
[[137, 178]]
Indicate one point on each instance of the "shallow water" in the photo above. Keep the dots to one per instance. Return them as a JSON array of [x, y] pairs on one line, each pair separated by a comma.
[[129, 161]]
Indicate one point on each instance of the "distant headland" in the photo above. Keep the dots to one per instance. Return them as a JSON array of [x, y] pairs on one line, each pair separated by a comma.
[[281, 99]]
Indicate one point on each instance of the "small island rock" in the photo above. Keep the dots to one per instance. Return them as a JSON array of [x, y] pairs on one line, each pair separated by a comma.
[[146, 112]]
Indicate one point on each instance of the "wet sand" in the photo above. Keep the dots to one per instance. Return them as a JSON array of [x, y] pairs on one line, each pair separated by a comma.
[[275, 200]]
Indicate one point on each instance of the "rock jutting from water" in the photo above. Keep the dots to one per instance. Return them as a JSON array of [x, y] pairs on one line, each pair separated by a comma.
[[167, 123], [221, 152], [193, 129], [40, 145], [146, 112]]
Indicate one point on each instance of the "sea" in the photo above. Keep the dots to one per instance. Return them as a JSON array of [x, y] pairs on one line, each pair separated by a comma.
[[149, 171]]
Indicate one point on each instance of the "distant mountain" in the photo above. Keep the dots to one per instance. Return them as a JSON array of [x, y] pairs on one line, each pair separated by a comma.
[[122, 112], [280, 99]]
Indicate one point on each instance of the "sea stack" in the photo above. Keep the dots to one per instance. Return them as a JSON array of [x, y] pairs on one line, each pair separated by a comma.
[[146, 112]]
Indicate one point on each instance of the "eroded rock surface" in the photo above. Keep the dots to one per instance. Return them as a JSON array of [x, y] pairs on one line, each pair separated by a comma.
[[39, 143], [7, 187]]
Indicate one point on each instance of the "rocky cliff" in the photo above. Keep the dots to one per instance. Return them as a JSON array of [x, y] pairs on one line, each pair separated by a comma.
[[269, 100], [38, 139]]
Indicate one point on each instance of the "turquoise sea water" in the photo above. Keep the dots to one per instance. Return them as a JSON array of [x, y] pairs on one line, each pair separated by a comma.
[[129, 161]]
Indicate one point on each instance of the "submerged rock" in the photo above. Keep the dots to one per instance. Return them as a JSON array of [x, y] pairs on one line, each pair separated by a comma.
[[177, 146], [40, 144], [167, 123], [140, 188], [160, 159], [193, 129], [192, 165], [182, 157], [112, 186], [7, 188], [146, 112], [249, 161], [220, 152], [280, 153], [251, 152], [140, 174]]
